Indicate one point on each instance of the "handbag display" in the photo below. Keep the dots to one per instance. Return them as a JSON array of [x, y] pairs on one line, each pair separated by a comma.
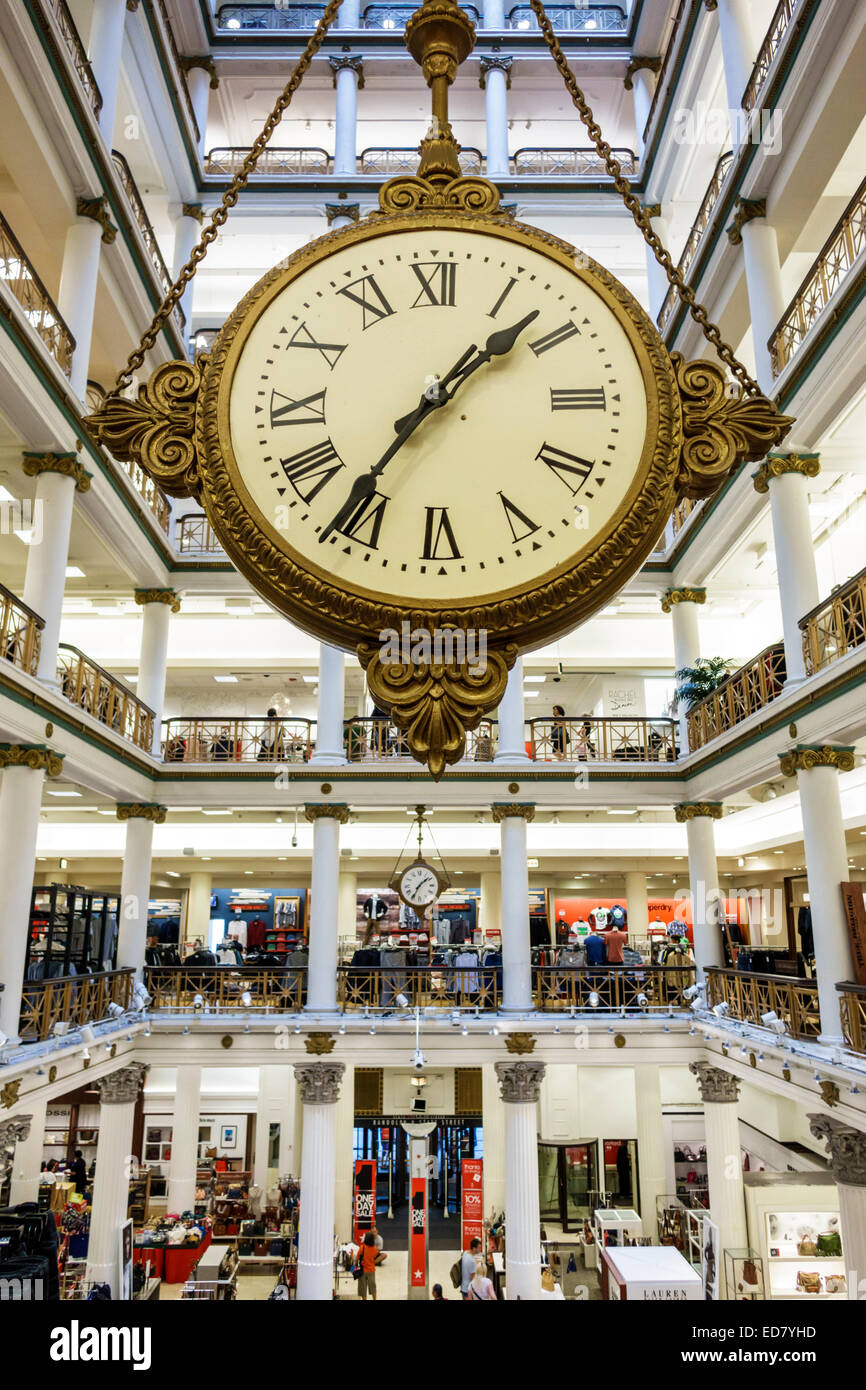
[[830, 1244], [835, 1283], [806, 1246], [750, 1272], [808, 1282]]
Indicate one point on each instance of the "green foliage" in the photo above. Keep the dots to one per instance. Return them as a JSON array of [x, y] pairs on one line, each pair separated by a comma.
[[694, 683]]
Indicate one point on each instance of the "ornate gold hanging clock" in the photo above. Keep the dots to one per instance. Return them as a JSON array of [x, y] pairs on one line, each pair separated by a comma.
[[439, 423], [420, 884]]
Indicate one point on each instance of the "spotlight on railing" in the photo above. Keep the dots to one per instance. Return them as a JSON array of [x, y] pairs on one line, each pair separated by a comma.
[[642, 1001], [246, 999], [594, 999], [693, 991], [401, 1001], [116, 1010], [87, 1034], [198, 1003], [772, 1021], [721, 1009], [61, 1029]]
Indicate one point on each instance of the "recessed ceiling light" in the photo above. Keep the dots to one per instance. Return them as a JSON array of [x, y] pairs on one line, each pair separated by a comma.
[[226, 680], [310, 680], [216, 813], [73, 572], [172, 873], [247, 871], [53, 793], [537, 680]]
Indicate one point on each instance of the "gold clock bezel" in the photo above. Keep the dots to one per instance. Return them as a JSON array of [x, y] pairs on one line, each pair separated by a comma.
[[530, 613]]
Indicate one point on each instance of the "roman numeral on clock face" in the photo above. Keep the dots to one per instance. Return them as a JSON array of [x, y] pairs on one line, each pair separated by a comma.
[[591, 398], [310, 471], [303, 338], [368, 295], [554, 338], [439, 539], [569, 468], [502, 298], [521, 525], [365, 523], [309, 410], [438, 281]]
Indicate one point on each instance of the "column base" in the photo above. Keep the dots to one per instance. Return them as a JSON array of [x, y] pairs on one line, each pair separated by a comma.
[[507, 756], [831, 1040], [326, 759]]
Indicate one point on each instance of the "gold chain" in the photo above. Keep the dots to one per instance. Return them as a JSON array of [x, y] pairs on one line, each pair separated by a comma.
[[228, 200], [623, 187]]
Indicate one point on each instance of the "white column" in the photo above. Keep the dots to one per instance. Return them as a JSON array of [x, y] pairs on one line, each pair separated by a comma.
[[699, 818], [682, 604], [347, 907], [117, 1096], [20, 805], [516, 970], [719, 1092], [786, 478], [643, 83], [657, 280], [27, 1159], [493, 1124], [847, 1149], [348, 77], [135, 882], [766, 296], [344, 1171], [349, 15], [520, 1083], [826, 867], [324, 905], [76, 298], [201, 79], [496, 79], [650, 1144], [187, 229], [319, 1087], [636, 904], [57, 477], [329, 711], [157, 607], [105, 51], [511, 736], [491, 901], [740, 46], [184, 1139], [198, 907], [494, 14], [274, 1105]]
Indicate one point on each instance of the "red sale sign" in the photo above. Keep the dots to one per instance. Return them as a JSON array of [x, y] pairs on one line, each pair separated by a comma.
[[365, 1198], [472, 1206], [418, 1233]]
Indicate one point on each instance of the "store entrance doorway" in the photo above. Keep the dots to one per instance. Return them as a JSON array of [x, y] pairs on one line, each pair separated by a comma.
[[567, 1175], [383, 1139]]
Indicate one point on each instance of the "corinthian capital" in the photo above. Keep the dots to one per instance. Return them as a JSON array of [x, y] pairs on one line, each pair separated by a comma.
[[846, 1147], [319, 1082], [519, 1082], [121, 1087], [717, 1086]]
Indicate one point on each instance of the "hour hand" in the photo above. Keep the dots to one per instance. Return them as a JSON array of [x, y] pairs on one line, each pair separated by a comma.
[[363, 487]]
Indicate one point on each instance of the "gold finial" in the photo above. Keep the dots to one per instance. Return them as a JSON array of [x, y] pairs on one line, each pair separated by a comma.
[[440, 36]]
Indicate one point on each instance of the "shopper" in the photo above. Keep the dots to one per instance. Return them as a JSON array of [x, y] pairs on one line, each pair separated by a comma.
[[467, 1266], [614, 941], [481, 1288], [369, 1257], [438, 1296], [272, 742], [78, 1172], [549, 1286], [559, 735]]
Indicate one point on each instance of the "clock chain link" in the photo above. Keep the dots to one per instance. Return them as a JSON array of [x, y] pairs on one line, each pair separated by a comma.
[[228, 200], [623, 187]]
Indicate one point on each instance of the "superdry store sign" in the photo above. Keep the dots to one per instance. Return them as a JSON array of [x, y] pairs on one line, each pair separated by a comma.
[[418, 1233], [365, 1197], [472, 1205]]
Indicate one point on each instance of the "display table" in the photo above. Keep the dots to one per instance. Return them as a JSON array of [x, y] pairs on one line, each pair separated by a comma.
[[150, 1254], [171, 1263], [649, 1273], [611, 1225]]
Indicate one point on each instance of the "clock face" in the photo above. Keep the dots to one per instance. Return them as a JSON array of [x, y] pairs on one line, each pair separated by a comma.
[[513, 469], [419, 885]]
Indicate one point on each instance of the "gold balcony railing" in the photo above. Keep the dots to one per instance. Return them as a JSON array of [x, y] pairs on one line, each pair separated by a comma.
[[423, 987], [377, 740], [238, 740], [681, 513], [779, 24], [188, 989], [75, 999], [180, 83], [145, 226], [196, 536], [273, 163], [75, 48], [573, 19], [743, 693], [696, 235], [611, 988], [569, 163], [667, 60], [591, 740], [21, 280], [395, 16], [836, 626], [104, 697], [750, 996], [852, 1006], [405, 161], [20, 632], [834, 264]]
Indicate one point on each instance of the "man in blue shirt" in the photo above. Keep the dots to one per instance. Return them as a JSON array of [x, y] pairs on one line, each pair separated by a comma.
[[594, 947], [467, 1266]]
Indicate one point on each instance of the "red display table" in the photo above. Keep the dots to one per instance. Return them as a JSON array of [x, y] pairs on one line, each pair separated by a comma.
[[155, 1254], [181, 1260]]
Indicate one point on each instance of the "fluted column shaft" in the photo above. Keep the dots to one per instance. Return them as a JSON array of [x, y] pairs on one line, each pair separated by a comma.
[[324, 906], [20, 806], [184, 1139], [520, 1083], [650, 1144], [719, 1092], [514, 912], [319, 1084], [511, 737], [118, 1093], [331, 701]]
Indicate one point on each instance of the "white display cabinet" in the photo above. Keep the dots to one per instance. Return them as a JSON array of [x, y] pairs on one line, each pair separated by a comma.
[[615, 1227], [794, 1227]]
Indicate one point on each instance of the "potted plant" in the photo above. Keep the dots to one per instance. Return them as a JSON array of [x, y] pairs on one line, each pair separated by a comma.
[[695, 683]]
